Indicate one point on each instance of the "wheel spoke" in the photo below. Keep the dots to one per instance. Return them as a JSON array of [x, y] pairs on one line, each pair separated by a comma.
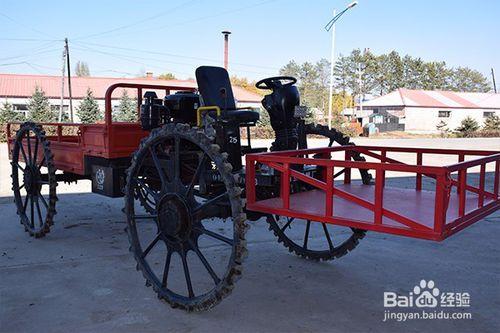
[[41, 163], [32, 210], [186, 274], [17, 165], [150, 246], [216, 236], [166, 269], [196, 175], [157, 164], [146, 188], [145, 217], [290, 220], [29, 147], [205, 262], [25, 205], [328, 238], [43, 200], [40, 219], [338, 173], [21, 147], [177, 158], [306, 235], [209, 202], [35, 152]]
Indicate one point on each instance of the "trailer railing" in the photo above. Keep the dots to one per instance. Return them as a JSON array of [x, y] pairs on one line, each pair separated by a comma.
[[452, 212]]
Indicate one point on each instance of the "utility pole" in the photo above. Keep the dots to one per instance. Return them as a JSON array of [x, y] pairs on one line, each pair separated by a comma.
[[226, 47], [332, 65], [331, 26], [493, 78], [61, 110], [69, 80], [360, 82]]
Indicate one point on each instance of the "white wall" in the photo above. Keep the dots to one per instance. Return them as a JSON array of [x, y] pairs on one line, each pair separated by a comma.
[[425, 120]]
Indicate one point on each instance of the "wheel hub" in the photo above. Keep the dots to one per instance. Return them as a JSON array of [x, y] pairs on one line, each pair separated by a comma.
[[31, 179], [174, 218]]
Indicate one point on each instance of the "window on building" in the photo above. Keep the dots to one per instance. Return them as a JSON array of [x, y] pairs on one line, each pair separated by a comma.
[[375, 110], [487, 114], [444, 114]]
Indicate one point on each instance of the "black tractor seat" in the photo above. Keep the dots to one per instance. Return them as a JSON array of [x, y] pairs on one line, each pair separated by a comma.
[[242, 116], [215, 90]]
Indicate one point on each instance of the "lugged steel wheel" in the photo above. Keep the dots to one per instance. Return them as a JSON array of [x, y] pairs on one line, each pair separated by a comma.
[[332, 247], [33, 172], [189, 255], [338, 137], [289, 232]]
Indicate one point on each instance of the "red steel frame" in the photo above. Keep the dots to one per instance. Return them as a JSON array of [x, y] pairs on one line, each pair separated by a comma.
[[282, 162], [108, 140]]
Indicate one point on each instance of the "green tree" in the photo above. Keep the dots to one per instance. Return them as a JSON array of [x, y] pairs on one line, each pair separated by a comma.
[[492, 123], [39, 109], [244, 83], [466, 79], [127, 109], [7, 114], [88, 110], [167, 76], [467, 127], [82, 69], [443, 129]]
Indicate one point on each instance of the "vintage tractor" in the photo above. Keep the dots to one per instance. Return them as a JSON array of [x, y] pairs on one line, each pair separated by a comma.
[[188, 193]]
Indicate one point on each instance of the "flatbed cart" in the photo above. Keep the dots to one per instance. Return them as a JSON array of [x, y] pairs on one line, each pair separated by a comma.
[[188, 195]]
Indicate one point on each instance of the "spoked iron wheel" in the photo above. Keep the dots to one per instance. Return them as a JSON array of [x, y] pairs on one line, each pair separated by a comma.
[[315, 240], [338, 137], [33, 179], [191, 245]]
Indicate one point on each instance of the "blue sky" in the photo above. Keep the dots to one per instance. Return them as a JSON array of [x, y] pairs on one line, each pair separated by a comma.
[[177, 36]]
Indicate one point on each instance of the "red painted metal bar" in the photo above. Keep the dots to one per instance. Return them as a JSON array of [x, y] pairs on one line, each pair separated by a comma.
[[329, 192], [347, 172], [440, 205], [497, 178], [418, 185], [285, 186], [250, 179], [480, 198], [379, 196]]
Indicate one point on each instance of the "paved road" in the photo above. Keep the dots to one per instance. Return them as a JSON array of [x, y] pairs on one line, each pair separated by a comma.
[[81, 278]]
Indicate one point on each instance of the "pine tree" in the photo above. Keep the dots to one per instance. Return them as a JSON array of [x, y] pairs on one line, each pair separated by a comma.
[[7, 114], [492, 123], [82, 69], [467, 127], [39, 109], [127, 109], [88, 110], [442, 127]]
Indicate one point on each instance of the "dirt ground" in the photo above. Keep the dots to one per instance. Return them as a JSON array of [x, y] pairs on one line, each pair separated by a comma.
[[81, 277]]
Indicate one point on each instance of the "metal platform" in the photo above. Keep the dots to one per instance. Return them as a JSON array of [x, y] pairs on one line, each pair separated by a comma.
[[434, 215]]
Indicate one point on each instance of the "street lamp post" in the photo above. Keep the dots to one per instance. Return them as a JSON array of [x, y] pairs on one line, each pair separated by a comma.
[[331, 26]]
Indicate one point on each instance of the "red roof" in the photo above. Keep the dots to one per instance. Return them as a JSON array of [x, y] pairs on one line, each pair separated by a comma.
[[436, 99], [20, 85]]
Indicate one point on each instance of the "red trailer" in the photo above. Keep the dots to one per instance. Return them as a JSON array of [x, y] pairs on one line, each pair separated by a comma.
[[180, 170]]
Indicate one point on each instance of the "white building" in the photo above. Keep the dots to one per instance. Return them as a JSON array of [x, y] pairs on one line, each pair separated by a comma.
[[421, 110], [17, 89]]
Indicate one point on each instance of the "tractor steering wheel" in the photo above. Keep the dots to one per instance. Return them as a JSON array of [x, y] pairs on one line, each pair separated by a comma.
[[275, 82]]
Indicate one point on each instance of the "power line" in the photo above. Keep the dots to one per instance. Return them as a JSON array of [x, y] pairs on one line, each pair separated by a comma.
[[24, 25], [175, 55], [38, 50], [202, 18], [147, 19]]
